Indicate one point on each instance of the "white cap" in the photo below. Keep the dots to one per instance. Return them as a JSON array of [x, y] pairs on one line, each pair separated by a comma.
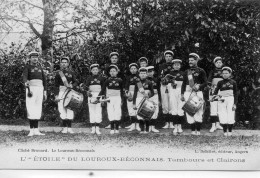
[[94, 65], [150, 68], [143, 59], [176, 60], [142, 69], [168, 52], [66, 58], [217, 59], [227, 68], [33, 53], [196, 56], [113, 66], [113, 53], [133, 64]]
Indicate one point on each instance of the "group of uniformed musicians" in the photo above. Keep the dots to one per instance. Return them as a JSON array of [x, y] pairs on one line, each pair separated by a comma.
[[170, 90]]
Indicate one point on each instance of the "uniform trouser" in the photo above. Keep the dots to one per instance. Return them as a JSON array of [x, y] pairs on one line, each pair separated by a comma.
[[34, 103], [198, 115], [64, 112], [175, 102], [114, 108], [130, 107], [95, 110], [155, 99], [166, 107], [225, 112], [214, 112]]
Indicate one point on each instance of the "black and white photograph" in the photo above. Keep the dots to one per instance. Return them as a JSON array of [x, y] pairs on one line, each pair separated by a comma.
[[145, 85]]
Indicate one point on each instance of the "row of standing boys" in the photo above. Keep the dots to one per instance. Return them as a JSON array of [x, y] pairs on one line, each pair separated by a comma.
[[163, 92]]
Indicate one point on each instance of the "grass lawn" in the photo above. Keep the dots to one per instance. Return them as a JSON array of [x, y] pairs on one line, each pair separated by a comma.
[[128, 140]]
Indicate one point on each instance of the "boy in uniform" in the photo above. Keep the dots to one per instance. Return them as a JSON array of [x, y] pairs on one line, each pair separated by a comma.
[[214, 77], [93, 86], [156, 97], [175, 93], [165, 69], [113, 89], [143, 62], [114, 58], [227, 90], [64, 80], [144, 88], [35, 82], [129, 91], [194, 81]]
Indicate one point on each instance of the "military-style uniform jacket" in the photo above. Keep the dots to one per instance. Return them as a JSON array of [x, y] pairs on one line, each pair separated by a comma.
[[93, 81], [131, 81], [113, 86], [147, 85], [199, 77], [70, 76], [156, 86], [227, 85], [215, 73], [179, 75], [165, 69], [34, 72]]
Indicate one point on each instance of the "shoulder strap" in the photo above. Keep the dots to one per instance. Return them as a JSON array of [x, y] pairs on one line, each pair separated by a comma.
[[64, 79], [190, 78]]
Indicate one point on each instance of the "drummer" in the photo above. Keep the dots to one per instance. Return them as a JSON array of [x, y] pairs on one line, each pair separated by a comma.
[[34, 78], [156, 97], [113, 89], [143, 89], [175, 94], [227, 90], [64, 80], [165, 69], [194, 81], [93, 86], [129, 91], [214, 77]]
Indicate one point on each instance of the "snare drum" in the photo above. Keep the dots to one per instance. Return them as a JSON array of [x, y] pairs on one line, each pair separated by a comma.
[[73, 100], [146, 109], [193, 104]]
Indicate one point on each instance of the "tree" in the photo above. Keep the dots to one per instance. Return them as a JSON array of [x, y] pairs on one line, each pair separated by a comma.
[[40, 16]]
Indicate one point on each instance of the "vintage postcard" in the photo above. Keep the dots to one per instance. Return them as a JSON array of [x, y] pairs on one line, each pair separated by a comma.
[[130, 85]]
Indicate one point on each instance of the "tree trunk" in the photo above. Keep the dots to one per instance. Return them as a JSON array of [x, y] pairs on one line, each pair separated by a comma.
[[49, 18]]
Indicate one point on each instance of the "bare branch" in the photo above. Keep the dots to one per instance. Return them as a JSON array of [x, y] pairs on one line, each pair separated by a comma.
[[24, 21], [68, 36], [34, 30], [33, 5]]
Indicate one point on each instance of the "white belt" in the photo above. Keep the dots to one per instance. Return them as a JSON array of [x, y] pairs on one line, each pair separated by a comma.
[[95, 88], [111, 92], [226, 93], [36, 82]]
